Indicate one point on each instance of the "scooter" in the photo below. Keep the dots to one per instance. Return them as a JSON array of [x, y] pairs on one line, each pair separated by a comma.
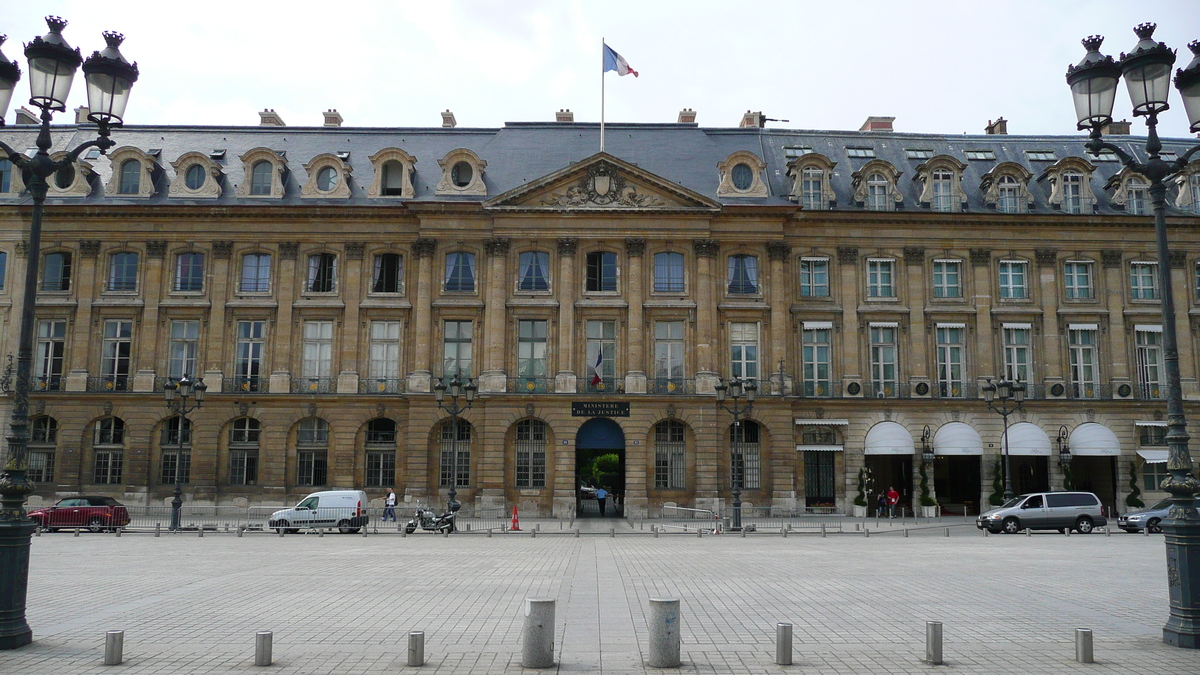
[[426, 520]]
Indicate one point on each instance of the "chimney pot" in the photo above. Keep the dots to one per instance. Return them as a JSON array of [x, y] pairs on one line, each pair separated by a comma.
[[878, 123], [81, 114], [686, 116], [26, 116], [448, 120], [333, 118], [564, 115], [1121, 128], [269, 118], [997, 128]]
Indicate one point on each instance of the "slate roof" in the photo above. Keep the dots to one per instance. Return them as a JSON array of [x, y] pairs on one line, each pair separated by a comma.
[[521, 152]]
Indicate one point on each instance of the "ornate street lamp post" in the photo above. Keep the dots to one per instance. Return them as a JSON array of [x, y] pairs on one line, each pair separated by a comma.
[[176, 394], [1147, 73], [1007, 392], [1064, 456], [52, 66], [455, 388], [737, 389]]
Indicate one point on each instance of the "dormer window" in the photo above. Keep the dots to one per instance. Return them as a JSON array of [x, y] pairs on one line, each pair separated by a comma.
[[6, 174], [197, 176], [1070, 185], [393, 174], [328, 177], [1188, 182], [941, 190], [263, 174], [132, 173], [1072, 190], [194, 178], [260, 178], [1139, 197], [462, 174], [811, 186], [741, 176], [1005, 188], [875, 186], [1008, 195], [877, 189]]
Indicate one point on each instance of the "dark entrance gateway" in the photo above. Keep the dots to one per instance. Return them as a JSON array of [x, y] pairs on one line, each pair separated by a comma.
[[599, 462]]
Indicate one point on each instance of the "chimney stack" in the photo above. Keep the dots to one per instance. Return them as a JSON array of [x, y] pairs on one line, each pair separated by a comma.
[[875, 123], [269, 118], [1116, 128], [26, 116], [333, 118], [686, 116], [564, 115], [997, 128], [448, 120], [753, 119], [81, 114]]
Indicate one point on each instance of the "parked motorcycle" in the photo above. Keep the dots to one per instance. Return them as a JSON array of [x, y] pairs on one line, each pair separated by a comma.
[[425, 519]]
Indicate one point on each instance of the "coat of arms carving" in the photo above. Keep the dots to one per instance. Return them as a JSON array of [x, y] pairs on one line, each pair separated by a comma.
[[601, 186]]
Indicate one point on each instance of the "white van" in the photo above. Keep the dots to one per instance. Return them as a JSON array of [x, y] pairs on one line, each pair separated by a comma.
[[343, 509]]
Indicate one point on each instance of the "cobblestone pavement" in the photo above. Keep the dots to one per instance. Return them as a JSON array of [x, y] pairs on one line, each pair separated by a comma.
[[344, 603]]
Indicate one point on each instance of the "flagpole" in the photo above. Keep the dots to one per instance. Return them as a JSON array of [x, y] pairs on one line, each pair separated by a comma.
[[601, 94]]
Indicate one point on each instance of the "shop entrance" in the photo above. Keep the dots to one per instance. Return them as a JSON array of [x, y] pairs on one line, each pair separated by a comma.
[[599, 463], [1097, 475], [956, 481], [1030, 474], [890, 471]]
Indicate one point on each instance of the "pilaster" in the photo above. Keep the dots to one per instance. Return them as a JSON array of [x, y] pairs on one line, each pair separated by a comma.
[[565, 380], [635, 376], [779, 292], [419, 378], [494, 338]]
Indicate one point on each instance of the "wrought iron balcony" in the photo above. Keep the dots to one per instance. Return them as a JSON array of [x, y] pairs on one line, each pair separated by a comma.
[[818, 389], [671, 386], [245, 385], [381, 385], [110, 383], [314, 385], [530, 385], [48, 383], [606, 385]]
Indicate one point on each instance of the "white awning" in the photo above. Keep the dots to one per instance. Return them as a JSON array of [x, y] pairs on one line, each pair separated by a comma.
[[1151, 423], [1148, 328], [1025, 439], [884, 324], [818, 325], [888, 438], [1153, 456], [950, 325], [1094, 440], [1083, 326], [822, 422], [957, 438], [1017, 326], [819, 448]]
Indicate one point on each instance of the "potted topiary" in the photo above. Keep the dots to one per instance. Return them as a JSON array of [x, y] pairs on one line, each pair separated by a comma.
[[928, 503], [997, 496], [1133, 499], [860, 500]]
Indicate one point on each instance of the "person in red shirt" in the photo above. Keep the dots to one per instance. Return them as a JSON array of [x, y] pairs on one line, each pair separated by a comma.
[[893, 498]]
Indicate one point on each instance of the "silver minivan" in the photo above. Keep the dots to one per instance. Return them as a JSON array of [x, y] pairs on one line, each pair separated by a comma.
[[1079, 511]]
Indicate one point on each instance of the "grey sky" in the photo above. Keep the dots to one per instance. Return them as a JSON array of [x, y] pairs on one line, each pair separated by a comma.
[[943, 67]]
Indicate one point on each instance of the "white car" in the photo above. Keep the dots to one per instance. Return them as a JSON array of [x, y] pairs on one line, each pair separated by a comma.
[[343, 509]]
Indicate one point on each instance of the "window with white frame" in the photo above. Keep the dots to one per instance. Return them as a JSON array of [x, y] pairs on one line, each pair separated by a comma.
[[1077, 279], [669, 456], [122, 271], [1150, 362], [534, 270], [883, 359], [43, 441], [1072, 192], [531, 350], [1153, 476], [1194, 186], [745, 465], [877, 193], [176, 447], [312, 452], [1014, 279], [115, 350], [322, 273], [1009, 195], [248, 356], [455, 466], [388, 274], [108, 449], [668, 272], [317, 365], [947, 279], [743, 275], [385, 356], [182, 348], [256, 273], [814, 277], [943, 191], [880, 279], [601, 349], [48, 359], [1143, 280], [460, 272], [531, 454], [1018, 362], [1137, 193], [668, 353], [189, 272], [456, 349], [1085, 369], [243, 451], [812, 189], [815, 355], [743, 348], [950, 360]]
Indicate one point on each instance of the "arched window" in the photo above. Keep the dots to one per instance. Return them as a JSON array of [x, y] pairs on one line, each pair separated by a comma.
[[669, 463], [380, 452], [176, 446], [877, 193], [131, 174], [392, 183], [260, 178], [745, 467], [108, 445], [455, 448], [43, 439], [1010, 193], [531, 454], [312, 451], [243, 451], [194, 177]]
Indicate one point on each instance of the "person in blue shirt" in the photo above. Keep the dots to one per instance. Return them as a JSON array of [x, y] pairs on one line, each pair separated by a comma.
[[601, 495]]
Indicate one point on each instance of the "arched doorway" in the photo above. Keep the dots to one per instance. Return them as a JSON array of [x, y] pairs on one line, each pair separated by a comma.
[[596, 442]]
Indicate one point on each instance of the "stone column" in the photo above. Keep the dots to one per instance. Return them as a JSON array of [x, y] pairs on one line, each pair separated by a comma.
[[87, 284], [422, 323], [146, 358], [211, 359], [1182, 287], [493, 378], [1051, 355], [706, 251], [780, 294], [919, 369], [281, 338], [565, 380], [1116, 352], [985, 338], [851, 367], [351, 292], [635, 377]]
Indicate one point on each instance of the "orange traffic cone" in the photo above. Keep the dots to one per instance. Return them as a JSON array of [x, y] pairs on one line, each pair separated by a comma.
[[516, 524]]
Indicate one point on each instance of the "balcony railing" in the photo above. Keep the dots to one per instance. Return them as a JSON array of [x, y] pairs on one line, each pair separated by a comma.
[[381, 438], [245, 385], [1150, 391], [886, 389], [530, 385], [606, 385], [48, 383], [110, 383], [314, 385], [953, 390], [1086, 392], [670, 386], [381, 385], [822, 389], [175, 437]]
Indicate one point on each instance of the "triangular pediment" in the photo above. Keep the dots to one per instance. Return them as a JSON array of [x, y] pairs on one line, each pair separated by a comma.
[[601, 183]]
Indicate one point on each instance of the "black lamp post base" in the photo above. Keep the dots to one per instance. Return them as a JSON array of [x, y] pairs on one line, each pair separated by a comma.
[[15, 539], [1183, 582]]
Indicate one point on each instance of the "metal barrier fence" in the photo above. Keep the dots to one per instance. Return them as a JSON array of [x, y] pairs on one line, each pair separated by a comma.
[[689, 520], [767, 518]]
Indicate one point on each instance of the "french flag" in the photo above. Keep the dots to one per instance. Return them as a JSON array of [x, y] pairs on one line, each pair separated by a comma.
[[614, 61], [598, 368]]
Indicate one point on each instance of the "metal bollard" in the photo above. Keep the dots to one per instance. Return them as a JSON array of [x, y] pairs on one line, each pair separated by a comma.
[[1067, 531], [157, 528], [533, 533], [262, 647], [241, 530], [783, 644], [489, 533], [200, 531], [906, 533], [947, 532], [986, 532], [117, 531], [822, 530], [743, 533], [933, 643], [699, 534], [785, 532], [416, 648], [1083, 645], [537, 636], [1145, 531], [114, 647], [281, 532], [1028, 532], [664, 633], [655, 534], [446, 533], [320, 532], [364, 532], [577, 533], [38, 531], [1106, 533], [612, 533], [866, 532], [77, 532]]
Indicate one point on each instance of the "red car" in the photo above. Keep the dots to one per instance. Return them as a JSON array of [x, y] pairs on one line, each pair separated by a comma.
[[95, 513]]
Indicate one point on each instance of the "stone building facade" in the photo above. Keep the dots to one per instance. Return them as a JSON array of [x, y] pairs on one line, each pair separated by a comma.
[[321, 280]]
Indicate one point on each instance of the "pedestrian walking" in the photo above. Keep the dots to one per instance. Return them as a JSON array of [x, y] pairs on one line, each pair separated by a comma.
[[601, 495], [882, 503], [389, 506], [893, 498]]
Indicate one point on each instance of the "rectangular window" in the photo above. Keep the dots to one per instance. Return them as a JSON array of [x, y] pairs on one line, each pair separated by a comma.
[[456, 454], [819, 479], [460, 272], [669, 452], [601, 272], [950, 361], [602, 348], [814, 277], [745, 466], [1085, 374], [668, 273], [812, 188], [860, 153], [389, 270], [1150, 362], [880, 282], [312, 467], [122, 271], [48, 358], [115, 351], [56, 272], [1009, 195], [256, 273], [1077, 279], [1152, 436], [793, 151], [189, 272], [531, 349], [1143, 281], [943, 191], [1041, 155], [883, 360], [980, 155], [41, 465], [243, 467], [531, 455], [534, 268], [248, 356], [381, 468], [1153, 475], [668, 353], [1072, 192], [3, 265], [1017, 355], [322, 273], [743, 275], [1138, 203], [816, 348], [456, 349], [385, 350], [915, 153], [109, 463], [743, 346], [1013, 279], [947, 279], [184, 342], [317, 365]]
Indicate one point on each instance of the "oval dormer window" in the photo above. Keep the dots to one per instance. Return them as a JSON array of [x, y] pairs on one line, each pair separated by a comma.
[[743, 177], [327, 179], [461, 174], [194, 178]]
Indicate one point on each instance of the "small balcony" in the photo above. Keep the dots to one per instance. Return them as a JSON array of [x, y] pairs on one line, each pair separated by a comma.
[[953, 390], [530, 385], [245, 385], [381, 385], [110, 383], [1088, 391], [606, 385], [670, 386], [1150, 391], [818, 389], [47, 383], [314, 385], [886, 390]]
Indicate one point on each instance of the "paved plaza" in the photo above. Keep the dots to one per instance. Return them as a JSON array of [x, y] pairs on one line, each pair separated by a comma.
[[344, 603]]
